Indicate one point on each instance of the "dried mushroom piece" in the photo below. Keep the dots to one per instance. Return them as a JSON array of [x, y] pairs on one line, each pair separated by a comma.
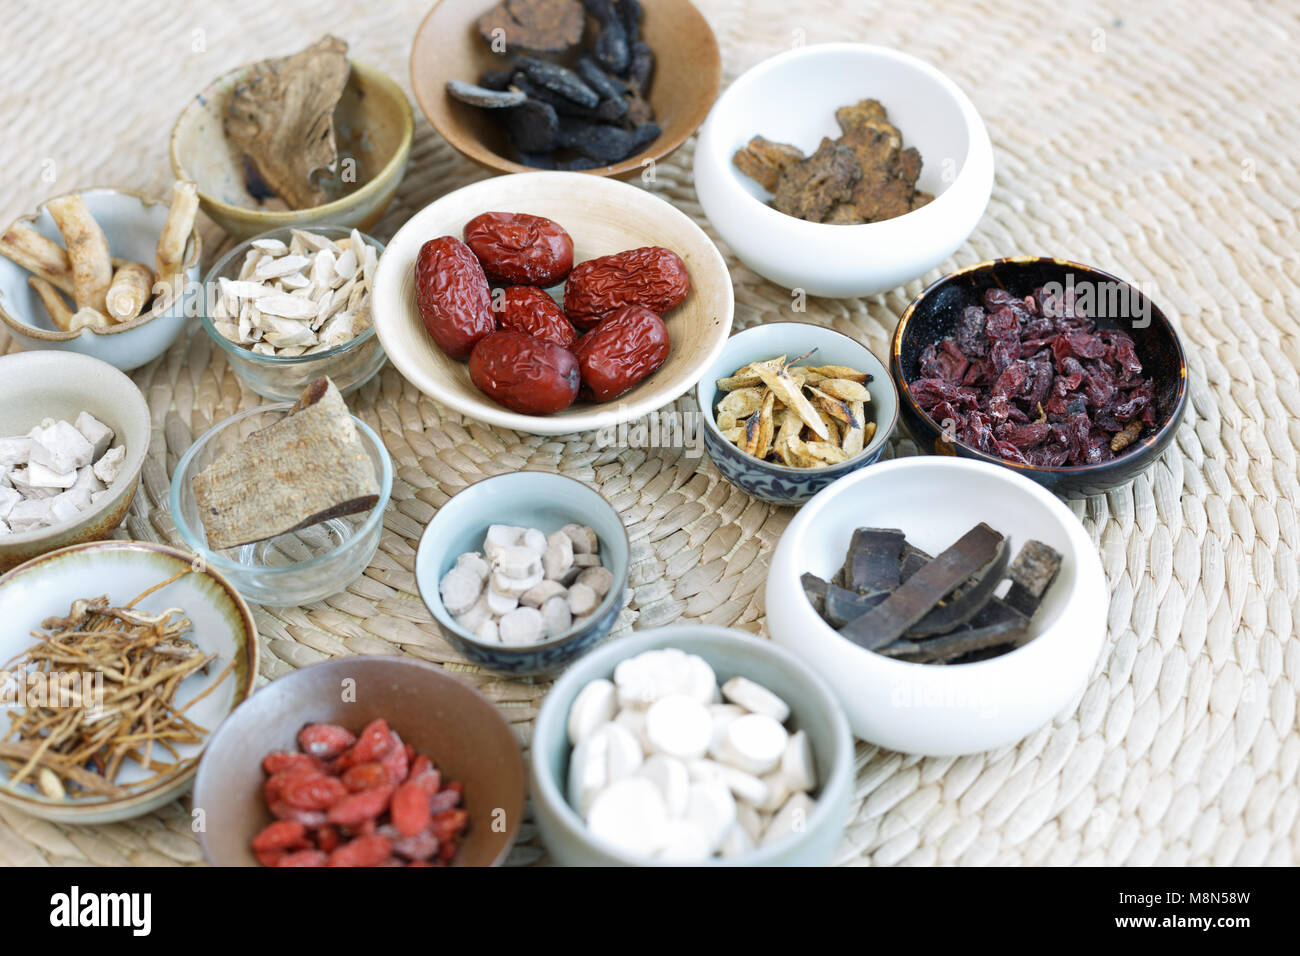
[[282, 117]]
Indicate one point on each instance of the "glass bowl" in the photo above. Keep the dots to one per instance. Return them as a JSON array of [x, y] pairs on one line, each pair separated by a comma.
[[282, 379], [300, 567]]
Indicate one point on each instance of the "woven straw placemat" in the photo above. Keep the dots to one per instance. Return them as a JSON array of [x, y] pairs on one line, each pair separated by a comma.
[[1156, 143]]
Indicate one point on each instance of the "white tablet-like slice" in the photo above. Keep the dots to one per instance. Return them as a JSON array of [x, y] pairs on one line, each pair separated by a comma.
[[744, 786], [534, 541], [711, 807], [501, 536], [623, 751], [633, 718], [754, 743], [723, 715], [749, 819], [797, 763], [634, 682], [672, 778], [596, 704], [679, 726], [699, 681], [778, 792], [737, 842], [588, 772], [630, 815], [791, 818], [685, 842], [755, 698]]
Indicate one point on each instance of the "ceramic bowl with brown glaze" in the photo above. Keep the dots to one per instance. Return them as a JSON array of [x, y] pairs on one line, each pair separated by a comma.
[[61, 385], [373, 125], [933, 316], [688, 71], [438, 714]]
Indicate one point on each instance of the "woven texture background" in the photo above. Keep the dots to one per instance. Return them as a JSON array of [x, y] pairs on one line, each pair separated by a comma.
[[1152, 140]]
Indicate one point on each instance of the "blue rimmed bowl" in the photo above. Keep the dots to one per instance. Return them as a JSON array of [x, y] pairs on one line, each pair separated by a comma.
[[780, 484], [529, 499]]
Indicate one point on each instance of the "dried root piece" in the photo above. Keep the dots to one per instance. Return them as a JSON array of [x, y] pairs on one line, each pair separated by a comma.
[[37, 254], [60, 314], [131, 288], [282, 117], [169, 256], [87, 248], [763, 160]]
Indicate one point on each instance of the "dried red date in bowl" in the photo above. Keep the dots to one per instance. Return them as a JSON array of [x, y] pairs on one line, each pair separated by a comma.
[[1111, 302]]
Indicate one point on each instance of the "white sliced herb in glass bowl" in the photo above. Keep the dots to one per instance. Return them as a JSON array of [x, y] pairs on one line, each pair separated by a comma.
[[291, 305]]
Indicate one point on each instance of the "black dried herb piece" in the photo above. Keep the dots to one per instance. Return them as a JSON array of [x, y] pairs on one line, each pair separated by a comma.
[[995, 624], [559, 80], [609, 144], [920, 593], [538, 160], [611, 111], [965, 602], [814, 588], [843, 605], [534, 127], [639, 111], [495, 79], [611, 47], [644, 135], [641, 66], [540, 26], [1031, 574], [563, 106], [632, 14], [579, 164], [872, 561], [607, 86], [483, 97]]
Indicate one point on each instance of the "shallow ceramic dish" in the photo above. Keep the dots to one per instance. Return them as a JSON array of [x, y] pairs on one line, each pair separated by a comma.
[[603, 216], [528, 499], [39, 385], [730, 653], [781, 484], [222, 624], [282, 379], [933, 316], [131, 223], [373, 125], [438, 714], [688, 70], [300, 567], [792, 98], [931, 709]]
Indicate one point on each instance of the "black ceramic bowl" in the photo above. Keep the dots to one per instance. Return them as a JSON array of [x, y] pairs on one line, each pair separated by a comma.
[[1116, 304]]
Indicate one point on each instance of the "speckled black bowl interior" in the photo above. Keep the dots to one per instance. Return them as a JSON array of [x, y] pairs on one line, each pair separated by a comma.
[[933, 316]]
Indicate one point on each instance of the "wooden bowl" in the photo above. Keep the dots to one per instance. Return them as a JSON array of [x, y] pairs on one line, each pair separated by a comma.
[[438, 714], [688, 71], [373, 123], [603, 216]]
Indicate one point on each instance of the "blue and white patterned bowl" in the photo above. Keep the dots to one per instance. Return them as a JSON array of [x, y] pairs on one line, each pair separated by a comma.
[[780, 484], [530, 499]]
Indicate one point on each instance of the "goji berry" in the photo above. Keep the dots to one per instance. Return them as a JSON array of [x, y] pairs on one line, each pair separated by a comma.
[[410, 809], [419, 863], [308, 818], [444, 800], [395, 761], [374, 741], [303, 858], [268, 857], [355, 808], [363, 851], [327, 838], [448, 824], [422, 846], [282, 761], [447, 851], [366, 776], [410, 753], [314, 793], [326, 741], [426, 775], [281, 835]]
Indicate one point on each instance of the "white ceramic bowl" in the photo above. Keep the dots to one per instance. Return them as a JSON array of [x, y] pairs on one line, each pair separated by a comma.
[[222, 624], [943, 710], [132, 224], [39, 385], [792, 98], [603, 216]]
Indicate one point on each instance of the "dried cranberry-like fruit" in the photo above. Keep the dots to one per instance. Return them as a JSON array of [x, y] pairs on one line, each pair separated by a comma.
[[652, 277], [623, 349], [452, 294], [528, 309], [525, 374], [519, 248]]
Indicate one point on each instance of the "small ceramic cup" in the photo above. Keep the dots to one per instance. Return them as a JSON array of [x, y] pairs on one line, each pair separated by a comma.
[[781, 484], [528, 499]]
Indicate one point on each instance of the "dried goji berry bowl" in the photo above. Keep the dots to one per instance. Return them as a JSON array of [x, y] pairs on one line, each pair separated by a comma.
[[528, 499], [604, 216], [770, 481], [435, 712], [1112, 303], [943, 709], [792, 98]]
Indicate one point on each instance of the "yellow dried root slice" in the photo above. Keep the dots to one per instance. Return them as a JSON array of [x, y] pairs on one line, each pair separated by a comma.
[[60, 314], [775, 377], [836, 408], [746, 377], [854, 438], [824, 453], [87, 248], [846, 389], [758, 430], [37, 254], [131, 288], [742, 402], [839, 371]]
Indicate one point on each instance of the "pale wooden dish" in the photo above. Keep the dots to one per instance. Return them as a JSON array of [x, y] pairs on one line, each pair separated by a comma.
[[603, 216]]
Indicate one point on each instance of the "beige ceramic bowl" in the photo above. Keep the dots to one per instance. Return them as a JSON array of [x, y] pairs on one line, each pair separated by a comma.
[[221, 624], [603, 216], [688, 71], [60, 385], [132, 223], [373, 123]]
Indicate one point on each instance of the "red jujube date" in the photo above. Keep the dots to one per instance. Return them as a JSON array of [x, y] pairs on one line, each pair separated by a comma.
[[525, 374], [452, 294]]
